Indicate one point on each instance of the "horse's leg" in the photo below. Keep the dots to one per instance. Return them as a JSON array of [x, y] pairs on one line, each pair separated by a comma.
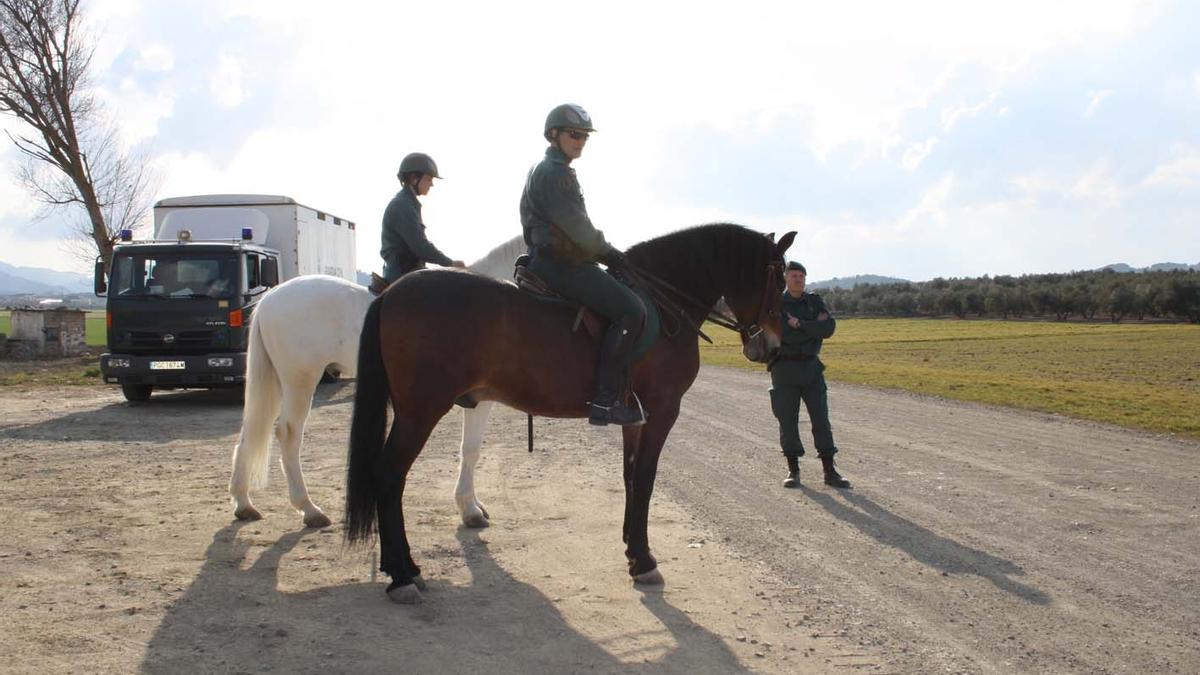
[[251, 455], [411, 427], [289, 431], [469, 507], [641, 470]]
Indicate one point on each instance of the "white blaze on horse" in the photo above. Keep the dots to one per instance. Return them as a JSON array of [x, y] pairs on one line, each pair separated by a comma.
[[299, 330]]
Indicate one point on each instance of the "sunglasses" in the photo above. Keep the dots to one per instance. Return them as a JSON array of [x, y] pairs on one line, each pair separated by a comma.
[[577, 135]]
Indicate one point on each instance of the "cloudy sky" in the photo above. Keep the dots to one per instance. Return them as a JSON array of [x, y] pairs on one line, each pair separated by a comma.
[[914, 139]]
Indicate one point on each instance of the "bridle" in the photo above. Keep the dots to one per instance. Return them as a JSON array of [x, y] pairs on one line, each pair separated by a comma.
[[658, 288]]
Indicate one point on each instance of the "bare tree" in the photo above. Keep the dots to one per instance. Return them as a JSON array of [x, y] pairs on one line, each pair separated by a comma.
[[75, 159]]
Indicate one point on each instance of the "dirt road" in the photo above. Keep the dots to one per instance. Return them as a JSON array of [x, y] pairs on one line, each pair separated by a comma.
[[975, 540]]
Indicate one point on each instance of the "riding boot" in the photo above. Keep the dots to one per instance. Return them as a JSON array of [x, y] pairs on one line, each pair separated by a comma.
[[793, 479], [606, 406], [832, 477]]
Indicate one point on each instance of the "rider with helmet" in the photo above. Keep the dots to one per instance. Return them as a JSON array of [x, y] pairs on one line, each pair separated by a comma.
[[565, 247], [405, 246]]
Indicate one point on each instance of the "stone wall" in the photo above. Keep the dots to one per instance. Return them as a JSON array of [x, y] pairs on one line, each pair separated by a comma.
[[47, 332]]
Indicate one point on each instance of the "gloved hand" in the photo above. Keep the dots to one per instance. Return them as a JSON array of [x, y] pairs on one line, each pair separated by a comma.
[[614, 260]]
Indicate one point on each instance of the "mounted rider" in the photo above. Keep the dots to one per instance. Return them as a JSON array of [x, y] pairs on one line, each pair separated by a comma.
[[565, 247], [405, 246]]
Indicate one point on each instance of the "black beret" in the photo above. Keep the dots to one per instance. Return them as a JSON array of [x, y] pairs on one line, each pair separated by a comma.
[[793, 265]]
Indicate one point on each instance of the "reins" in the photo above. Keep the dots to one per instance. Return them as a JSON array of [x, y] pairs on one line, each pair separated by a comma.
[[658, 289]]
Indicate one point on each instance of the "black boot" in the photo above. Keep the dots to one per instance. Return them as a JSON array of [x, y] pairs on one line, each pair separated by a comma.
[[606, 406], [793, 479], [832, 477]]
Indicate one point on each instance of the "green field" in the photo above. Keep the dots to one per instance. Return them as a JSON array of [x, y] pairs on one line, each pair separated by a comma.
[[94, 326], [1136, 375]]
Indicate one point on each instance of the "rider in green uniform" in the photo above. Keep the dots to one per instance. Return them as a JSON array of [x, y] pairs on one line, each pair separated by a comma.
[[565, 247], [797, 375], [405, 246]]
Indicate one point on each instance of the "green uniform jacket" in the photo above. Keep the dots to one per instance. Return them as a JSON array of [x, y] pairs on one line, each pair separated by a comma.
[[807, 338], [553, 215], [405, 246]]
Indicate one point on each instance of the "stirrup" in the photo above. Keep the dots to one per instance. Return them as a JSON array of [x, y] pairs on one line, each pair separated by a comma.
[[618, 413]]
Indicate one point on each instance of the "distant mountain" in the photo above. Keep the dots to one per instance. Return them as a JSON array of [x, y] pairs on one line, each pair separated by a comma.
[[1156, 267], [10, 284], [15, 279], [851, 282]]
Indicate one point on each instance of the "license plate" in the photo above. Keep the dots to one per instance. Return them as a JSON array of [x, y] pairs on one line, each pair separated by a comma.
[[166, 365]]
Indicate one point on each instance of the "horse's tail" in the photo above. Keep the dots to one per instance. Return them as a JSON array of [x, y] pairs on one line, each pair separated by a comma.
[[367, 429], [262, 399]]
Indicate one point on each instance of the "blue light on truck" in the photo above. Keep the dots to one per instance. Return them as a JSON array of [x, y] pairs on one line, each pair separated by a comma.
[[247, 233], [126, 235]]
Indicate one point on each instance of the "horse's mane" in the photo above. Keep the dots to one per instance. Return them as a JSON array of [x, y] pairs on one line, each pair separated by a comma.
[[683, 255], [498, 263]]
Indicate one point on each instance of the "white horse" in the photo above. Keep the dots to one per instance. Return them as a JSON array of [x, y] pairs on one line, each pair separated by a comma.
[[299, 330]]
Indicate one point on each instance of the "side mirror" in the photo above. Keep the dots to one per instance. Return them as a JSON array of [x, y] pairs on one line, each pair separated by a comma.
[[269, 272], [100, 286]]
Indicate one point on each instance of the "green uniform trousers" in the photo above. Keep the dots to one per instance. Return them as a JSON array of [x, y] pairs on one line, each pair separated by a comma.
[[791, 383], [592, 287]]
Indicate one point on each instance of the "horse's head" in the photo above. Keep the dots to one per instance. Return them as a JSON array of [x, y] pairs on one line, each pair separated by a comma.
[[756, 305]]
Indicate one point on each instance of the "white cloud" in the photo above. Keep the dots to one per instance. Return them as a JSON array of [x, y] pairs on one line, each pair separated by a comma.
[[1181, 172], [931, 209], [137, 110], [952, 116], [917, 152], [1097, 97], [226, 84], [156, 58], [1097, 184]]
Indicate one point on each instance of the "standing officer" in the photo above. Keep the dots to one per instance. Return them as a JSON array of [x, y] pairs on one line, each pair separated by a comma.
[[797, 374], [405, 246], [565, 247]]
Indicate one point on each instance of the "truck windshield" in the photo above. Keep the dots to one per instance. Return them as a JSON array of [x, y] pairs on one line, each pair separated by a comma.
[[173, 276]]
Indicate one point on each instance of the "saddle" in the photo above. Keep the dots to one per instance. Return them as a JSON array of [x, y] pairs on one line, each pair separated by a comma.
[[378, 284], [593, 324]]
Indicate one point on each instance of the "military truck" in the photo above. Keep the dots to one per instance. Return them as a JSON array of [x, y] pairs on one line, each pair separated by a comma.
[[179, 305]]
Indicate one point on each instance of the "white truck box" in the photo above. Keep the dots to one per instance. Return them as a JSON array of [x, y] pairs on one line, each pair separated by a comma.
[[309, 241]]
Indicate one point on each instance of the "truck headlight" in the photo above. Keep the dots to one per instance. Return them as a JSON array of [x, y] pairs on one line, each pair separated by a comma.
[[118, 363], [220, 362]]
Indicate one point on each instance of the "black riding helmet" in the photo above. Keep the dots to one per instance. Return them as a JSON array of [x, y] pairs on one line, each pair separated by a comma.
[[567, 115], [417, 162]]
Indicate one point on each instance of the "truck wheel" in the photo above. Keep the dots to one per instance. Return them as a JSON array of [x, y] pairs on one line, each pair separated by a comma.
[[330, 375], [137, 392]]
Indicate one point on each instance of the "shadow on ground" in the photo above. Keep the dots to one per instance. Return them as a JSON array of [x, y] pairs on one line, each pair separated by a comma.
[[924, 545], [233, 619]]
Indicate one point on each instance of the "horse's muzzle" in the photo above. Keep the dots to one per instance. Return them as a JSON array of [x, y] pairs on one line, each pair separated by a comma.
[[759, 346]]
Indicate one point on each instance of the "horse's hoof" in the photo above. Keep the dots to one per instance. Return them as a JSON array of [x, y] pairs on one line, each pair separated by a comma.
[[318, 520], [419, 583], [651, 578], [475, 520], [248, 513], [407, 594]]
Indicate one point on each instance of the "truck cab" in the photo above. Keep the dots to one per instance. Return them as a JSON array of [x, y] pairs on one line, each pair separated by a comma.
[[179, 306]]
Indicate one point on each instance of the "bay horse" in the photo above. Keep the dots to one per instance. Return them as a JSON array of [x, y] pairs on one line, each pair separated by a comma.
[[437, 335], [299, 330]]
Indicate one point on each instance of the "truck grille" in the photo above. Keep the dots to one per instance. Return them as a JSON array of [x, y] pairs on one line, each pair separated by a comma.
[[186, 339]]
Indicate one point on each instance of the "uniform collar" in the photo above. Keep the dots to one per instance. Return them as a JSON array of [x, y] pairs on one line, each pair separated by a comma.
[[555, 155]]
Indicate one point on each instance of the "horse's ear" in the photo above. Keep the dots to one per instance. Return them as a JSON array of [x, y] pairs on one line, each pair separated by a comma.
[[771, 237], [785, 242]]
